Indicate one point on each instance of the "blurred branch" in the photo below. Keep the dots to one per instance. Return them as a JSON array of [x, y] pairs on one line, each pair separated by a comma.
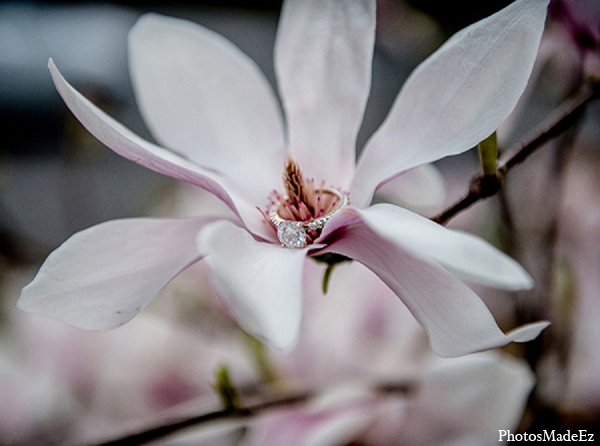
[[402, 388], [486, 185]]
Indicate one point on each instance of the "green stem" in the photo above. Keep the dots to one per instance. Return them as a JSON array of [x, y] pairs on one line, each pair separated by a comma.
[[488, 154], [261, 358], [331, 260], [225, 389]]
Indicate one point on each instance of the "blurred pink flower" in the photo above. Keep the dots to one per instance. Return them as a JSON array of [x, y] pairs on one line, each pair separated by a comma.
[[358, 336], [578, 26], [459, 401], [69, 387], [210, 104]]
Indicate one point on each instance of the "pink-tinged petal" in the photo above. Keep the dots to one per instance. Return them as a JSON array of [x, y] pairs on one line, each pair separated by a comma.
[[103, 276], [323, 56], [421, 189], [464, 254], [260, 282], [457, 97], [203, 97], [129, 145], [454, 317], [344, 217]]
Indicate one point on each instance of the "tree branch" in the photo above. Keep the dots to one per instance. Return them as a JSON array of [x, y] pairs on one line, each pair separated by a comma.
[[484, 186], [402, 388]]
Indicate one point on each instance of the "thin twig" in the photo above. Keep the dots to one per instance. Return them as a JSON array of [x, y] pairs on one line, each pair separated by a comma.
[[485, 186], [403, 388], [230, 414]]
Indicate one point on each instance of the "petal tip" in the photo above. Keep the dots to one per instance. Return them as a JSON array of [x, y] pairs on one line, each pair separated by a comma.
[[527, 332], [23, 303], [287, 343], [523, 281]]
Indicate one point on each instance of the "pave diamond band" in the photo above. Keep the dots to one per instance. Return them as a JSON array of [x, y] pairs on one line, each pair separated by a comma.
[[293, 234]]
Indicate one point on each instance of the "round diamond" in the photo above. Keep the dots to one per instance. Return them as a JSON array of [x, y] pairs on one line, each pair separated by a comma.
[[291, 234]]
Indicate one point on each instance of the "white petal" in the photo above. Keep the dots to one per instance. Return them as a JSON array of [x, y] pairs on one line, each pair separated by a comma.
[[323, 56], [454, 317], [421, 189], [464, 254], [476, 395], [103, 276], [261, 282], [127, 144], [201, 96], [457, 97]]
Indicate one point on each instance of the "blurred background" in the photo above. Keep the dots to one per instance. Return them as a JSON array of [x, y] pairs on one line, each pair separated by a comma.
[[60, 385]]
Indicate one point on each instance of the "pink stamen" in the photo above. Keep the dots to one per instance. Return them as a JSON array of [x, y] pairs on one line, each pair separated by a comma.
[[302, 200], [304, 212]]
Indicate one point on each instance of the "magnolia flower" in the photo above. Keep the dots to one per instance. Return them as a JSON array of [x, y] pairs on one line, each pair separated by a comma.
[[217, 116]]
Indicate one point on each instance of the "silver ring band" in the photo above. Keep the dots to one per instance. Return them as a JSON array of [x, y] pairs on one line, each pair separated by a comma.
[[316, 223]]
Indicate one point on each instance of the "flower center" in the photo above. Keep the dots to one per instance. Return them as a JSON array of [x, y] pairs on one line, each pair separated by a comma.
[[300, 215]]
